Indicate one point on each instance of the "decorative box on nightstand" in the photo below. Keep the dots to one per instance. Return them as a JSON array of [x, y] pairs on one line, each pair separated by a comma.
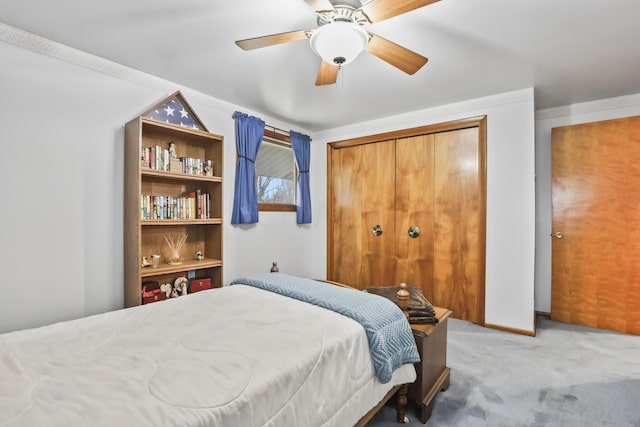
[[433, 374]]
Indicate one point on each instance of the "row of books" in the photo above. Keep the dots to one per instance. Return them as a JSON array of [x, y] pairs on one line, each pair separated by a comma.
[[193, 166], [156, 158], [194, 205], [160, 158]]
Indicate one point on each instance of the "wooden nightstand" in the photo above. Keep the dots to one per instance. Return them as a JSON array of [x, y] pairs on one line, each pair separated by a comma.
[[433, 374]]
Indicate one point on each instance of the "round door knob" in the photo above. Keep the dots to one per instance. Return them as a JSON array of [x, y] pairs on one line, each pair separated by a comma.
[[558, 235], [377, 230], [414, 231]]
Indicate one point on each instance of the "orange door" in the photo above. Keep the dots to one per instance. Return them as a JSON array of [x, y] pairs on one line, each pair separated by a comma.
[[427, 194], [363, 197], [596, 225], [458, 230], [414, 208]]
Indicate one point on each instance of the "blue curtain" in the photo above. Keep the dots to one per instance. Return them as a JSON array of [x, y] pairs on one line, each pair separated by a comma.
[[301, 145], [249, 133]]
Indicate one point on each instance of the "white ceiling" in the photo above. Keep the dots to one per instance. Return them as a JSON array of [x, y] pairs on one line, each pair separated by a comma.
[[569, 50]]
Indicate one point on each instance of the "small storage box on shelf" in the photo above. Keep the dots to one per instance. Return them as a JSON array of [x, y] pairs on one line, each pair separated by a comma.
[[197, 285], [185, 204], [151, 292]]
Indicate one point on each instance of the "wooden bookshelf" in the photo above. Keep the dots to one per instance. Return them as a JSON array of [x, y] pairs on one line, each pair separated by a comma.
[[144, 236]]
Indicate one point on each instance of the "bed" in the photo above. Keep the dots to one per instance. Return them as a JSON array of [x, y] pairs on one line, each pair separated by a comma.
[[241, 355]]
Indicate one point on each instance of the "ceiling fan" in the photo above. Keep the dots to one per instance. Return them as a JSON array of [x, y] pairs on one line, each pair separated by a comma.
[[341, 35]]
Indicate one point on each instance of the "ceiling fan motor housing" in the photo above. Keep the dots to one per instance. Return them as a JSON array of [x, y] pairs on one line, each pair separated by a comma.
[[339, 38], [342, 13]]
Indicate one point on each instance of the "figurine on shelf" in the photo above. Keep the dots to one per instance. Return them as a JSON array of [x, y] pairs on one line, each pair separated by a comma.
[[182, 289], [274, 267], [172, 150], [180, 286], [208, 168], [145, 262], [167, 288], [199, 256]]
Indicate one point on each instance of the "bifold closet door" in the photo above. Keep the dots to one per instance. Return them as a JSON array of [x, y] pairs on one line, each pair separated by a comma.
[[458, 224], [414, 212], [427, 194], [363, 211]]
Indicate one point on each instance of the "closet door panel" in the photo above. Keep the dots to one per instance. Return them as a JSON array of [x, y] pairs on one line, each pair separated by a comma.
[[457, 215], [347, 206], [363, 197], [414, 207]]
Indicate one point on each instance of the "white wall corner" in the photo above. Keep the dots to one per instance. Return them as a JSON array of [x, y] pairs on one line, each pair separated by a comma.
[[597, 106]]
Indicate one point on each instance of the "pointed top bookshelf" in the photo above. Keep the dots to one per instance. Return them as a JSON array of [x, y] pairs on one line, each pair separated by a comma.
[[171, 193], [175, 109]]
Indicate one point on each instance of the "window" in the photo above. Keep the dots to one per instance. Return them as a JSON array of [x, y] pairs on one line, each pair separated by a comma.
[[276, 174]]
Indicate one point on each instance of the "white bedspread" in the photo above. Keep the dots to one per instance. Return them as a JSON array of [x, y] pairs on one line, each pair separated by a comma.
[[236, 356]]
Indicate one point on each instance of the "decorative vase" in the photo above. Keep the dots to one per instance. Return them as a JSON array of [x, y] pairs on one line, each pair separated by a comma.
[[174, 258], [175, 243]]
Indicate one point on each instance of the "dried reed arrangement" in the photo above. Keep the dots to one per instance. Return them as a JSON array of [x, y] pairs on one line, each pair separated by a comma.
[[175, 242]]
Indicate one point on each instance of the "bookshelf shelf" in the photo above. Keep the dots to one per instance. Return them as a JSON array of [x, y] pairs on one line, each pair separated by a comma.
[[161, 202], [186, 265], [178, 176], [168, 222]]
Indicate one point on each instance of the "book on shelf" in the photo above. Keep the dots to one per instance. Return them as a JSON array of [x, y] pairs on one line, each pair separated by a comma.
[[158, 158], [193, 205]]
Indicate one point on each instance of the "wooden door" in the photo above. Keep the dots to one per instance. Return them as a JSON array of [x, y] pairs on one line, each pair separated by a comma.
[[363, 196], [414, 208], [432, 177], [596, 225], [458, 231]]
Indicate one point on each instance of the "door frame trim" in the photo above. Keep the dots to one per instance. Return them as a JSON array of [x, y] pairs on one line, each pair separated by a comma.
[[478, 121]]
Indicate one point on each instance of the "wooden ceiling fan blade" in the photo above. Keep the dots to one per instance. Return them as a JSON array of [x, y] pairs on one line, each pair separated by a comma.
[[379, 10], [327, 75], [319, 4], [396, 55], [264, 41]]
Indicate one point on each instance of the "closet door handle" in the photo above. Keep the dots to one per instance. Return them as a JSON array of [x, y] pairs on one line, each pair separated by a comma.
[[377, 230], [414, 231]]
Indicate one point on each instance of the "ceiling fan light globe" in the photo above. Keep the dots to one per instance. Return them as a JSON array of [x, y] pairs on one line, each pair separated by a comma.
[[339, 43]]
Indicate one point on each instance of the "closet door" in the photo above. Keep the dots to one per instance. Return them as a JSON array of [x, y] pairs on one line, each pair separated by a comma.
[[363, 197], [414, 208], [431, 178], [458, 224]]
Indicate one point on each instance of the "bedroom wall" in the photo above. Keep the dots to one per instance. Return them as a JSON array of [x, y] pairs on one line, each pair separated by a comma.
[[62, 122], [547, 119], [62, 125], [510, 194]]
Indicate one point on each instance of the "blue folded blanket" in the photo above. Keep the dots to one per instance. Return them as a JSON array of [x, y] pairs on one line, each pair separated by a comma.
[[390, 337]]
